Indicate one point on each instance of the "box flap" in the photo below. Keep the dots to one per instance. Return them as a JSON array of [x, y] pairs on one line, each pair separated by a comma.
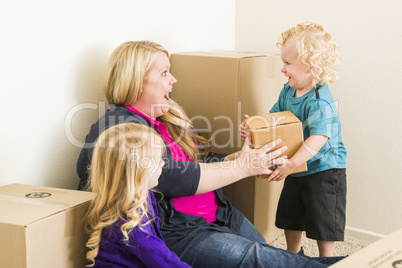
[[224, 54], [24, 204], [271, 120], [386, 252]]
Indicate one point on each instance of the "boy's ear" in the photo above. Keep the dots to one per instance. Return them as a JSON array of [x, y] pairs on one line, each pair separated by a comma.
[[310, 71], [311, 68], [314, 70]]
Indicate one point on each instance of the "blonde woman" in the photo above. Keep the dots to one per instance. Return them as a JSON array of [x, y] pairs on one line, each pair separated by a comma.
[[123, 218], [197, 221]]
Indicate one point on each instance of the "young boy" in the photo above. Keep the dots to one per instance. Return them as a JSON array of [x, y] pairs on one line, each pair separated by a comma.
[[313, 201]]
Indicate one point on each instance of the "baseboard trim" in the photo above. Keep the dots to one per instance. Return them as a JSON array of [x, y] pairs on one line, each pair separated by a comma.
[[362, 234]]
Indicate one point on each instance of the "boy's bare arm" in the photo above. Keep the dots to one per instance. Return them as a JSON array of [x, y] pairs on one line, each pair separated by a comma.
[[310, 147]]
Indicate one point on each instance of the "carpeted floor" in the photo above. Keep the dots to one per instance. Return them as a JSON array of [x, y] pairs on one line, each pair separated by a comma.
[[347, 247]]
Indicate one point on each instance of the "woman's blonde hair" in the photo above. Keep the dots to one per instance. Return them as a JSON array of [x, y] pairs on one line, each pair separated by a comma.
[[123, 79], [317, 49], [183, 133], [126, 68], [118, 177]]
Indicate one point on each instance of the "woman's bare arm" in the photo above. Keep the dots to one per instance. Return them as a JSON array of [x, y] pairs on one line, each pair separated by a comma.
[[245, 163]]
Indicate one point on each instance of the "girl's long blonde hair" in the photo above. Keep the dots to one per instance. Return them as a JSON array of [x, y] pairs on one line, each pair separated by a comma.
[[118, 176], [317, 49], [122, 85]]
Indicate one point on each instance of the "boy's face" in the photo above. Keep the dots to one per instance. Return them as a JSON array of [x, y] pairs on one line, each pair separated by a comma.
[[298, 73]]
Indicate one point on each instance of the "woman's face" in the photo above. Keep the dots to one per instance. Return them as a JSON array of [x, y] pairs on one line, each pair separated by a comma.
[[154, 100]]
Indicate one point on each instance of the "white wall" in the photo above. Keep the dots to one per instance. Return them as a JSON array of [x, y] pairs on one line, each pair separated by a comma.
[[369, 92], [51, 62]]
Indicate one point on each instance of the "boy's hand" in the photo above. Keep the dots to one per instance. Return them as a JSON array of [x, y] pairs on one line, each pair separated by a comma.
[[282, 171], [243, 130], [309, 148], [260, 161]]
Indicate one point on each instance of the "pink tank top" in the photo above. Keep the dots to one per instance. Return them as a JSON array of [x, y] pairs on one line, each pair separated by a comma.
[[202, 205]]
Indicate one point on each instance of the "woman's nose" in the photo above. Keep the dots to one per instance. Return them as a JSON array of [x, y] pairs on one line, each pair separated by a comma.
[[173, 80]]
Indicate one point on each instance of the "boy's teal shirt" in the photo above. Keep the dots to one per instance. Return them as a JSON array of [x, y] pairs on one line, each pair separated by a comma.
[[319, 116]]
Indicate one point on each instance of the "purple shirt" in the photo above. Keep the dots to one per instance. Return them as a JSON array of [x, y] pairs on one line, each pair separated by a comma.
[[145, 247]]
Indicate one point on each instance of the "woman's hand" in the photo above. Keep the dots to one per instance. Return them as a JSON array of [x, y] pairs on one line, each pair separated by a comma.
[[258, 161], [247, 162]]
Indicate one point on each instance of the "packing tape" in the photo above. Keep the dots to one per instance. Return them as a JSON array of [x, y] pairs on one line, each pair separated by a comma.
[[30, 201]]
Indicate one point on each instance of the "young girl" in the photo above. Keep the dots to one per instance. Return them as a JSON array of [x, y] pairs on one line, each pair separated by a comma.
[[314, 200], [123, 218]]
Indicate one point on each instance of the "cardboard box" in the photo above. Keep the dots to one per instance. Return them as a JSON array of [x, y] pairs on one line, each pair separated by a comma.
[[216, 89], [384, 253], [42, 226], [282, 125]]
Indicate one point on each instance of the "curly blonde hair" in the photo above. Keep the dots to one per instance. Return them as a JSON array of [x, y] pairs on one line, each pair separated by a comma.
[[119, 180], [317, 49], [123, 79]]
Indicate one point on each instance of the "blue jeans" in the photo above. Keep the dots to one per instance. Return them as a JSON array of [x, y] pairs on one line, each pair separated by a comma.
[[245, 247]]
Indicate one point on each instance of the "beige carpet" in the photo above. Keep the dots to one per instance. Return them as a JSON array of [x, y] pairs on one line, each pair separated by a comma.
[[347, 247]]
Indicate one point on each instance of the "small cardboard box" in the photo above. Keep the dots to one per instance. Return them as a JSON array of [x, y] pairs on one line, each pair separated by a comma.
[[215, 89], [42, 226], [282, 125], [384, 253]]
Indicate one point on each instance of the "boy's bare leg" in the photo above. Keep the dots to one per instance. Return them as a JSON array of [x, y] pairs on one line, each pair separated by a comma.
[[326, 248], [293, 240]]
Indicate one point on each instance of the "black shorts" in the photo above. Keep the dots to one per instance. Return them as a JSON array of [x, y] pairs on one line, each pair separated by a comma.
[[314, 203]]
